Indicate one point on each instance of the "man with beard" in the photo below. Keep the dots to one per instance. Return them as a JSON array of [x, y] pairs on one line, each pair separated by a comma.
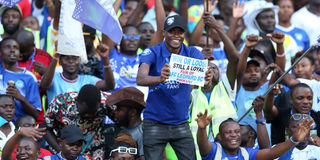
[[25, 89], [10, 19], [302, 150], [130, 103], [230, 138], [125, 63]]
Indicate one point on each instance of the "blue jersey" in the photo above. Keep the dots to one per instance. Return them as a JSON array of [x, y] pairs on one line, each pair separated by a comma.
[[58, 157], [125, 69], [62, 85], [167, 103], [26, 83], [211, 156], [299, 35]]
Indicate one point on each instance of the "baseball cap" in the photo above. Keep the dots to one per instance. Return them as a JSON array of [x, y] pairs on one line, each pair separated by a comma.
[[174, 21], [254, 52], [71, 133], [252, 61], [246, 121], [127, 96], [5, 8]]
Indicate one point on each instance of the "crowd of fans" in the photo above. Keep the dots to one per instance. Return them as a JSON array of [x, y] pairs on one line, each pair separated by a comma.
[[121, 104]]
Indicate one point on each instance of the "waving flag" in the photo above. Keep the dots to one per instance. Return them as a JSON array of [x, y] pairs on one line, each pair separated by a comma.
[[9, 3], [99, 14]]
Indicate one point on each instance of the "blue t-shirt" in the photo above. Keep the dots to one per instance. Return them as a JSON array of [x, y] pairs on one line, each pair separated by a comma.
[[220, 59], [299, 35], [252, 154], [125, 69], [26, 83], [167, 103], [62, 85], [58, 157]]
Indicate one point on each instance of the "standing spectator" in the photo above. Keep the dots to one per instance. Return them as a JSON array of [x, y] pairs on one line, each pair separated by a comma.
[[25, 89], [10, 19], [299, 35], [6, 114], [56, 83], [130, 103], [166, 114], [146, 31], [87, 110], [308, 18]]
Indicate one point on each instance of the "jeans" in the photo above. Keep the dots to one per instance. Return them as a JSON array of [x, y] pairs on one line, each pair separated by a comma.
[[157, 135]]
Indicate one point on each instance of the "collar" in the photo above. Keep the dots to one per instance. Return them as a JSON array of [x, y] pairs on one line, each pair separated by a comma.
[[61, 158], [166, 53]]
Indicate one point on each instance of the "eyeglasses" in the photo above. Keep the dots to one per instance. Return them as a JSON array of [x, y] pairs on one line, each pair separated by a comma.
[[124, 150], [299, 116], [128, 36]]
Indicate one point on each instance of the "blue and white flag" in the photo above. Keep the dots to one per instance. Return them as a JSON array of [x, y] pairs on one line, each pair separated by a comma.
[[99, 14], [9, 3]]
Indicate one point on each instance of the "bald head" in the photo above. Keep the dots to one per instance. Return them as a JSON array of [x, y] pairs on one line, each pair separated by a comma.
[[26, 43]]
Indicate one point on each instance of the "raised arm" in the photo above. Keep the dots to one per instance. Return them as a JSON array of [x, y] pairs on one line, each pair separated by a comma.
[[271, 111], [251, 41], [278, 38], [108, 83], [160, 17], [46, 80], [143, 78], [230, 50], [262, 133], [135, 18], [237, 14], [13, 141], [299, 135], [116, 5], [202, 138], [184, 10], [56, 17]]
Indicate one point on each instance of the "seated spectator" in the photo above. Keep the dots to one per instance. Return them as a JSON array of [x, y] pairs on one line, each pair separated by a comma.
[[130, 103], [124, 147], [302, 150], [86, 109], [230, 136], [25, 90], [24, 141], [69, 80], [298, 100], [29, 121]]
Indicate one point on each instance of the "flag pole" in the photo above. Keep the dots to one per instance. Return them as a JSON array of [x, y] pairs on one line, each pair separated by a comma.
[[206, 26], [282, 76]]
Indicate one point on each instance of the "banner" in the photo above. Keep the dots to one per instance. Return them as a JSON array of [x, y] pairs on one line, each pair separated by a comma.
[[99, 14], [9, 3], [188, 70]]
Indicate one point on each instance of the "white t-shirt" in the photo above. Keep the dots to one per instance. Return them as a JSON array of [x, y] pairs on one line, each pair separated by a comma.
[[308, 21], [5, 138], [315, 86]]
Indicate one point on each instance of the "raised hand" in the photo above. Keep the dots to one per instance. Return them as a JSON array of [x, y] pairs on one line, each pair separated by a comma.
[[211, 6], [276, 89], [165, 73], [209, 20], [14, 92], [203, 120], [252, 40], [237, 9], [303, 129], [34, 133], [103, 51], [273, 67], [277, 37], [258, 104], [39, 67], [209, 76]]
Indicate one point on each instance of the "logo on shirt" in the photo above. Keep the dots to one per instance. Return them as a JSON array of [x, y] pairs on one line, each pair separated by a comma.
[[170, 20], [172, 84], [298, 36], [146, 52], [19, 84]]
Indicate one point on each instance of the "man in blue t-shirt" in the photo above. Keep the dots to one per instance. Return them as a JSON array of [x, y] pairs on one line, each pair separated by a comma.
[[230, 136], [25, 89], [166, 114]]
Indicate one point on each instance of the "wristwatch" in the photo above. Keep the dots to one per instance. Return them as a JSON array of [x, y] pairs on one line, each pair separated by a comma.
[[262, 121]]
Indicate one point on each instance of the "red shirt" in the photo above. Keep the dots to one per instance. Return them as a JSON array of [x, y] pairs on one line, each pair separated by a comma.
[[39, 56], [25, 7]]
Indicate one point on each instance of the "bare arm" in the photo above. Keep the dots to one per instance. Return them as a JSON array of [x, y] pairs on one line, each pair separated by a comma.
[[202, 138], [160, 17], [278, 38], [56, 18], [271, 111], [108, 83], [184, 10], [52, 140], [299, 135], [135, 18], [237, 14], [262, 133], [47, 78], [143, 78], [116, 5]]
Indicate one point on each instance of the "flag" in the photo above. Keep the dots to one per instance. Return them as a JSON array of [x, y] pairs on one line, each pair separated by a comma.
[[99, 14], [9, 3]]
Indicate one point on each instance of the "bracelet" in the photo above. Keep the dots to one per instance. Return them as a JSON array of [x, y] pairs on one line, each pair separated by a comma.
[[262, 121], [282, 55], [294, 142], [107, 66]]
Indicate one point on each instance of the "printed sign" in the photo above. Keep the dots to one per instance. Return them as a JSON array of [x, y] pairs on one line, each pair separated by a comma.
[[188, 70]]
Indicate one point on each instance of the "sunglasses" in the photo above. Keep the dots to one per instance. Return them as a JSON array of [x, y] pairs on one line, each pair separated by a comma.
[[128, 36], [299, 116], [125, 150]]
